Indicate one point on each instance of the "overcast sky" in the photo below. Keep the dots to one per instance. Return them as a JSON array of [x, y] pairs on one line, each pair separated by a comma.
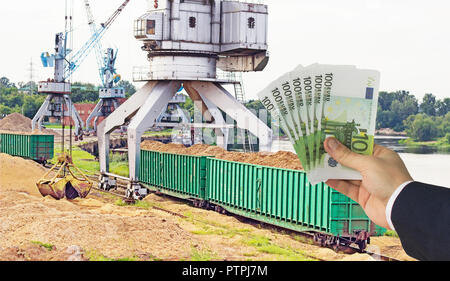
[[407, 40]]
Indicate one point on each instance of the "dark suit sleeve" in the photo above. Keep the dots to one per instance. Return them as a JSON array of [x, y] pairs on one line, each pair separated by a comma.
[[421, 217]]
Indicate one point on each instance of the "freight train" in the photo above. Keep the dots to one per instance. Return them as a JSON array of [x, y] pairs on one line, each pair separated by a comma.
[[274, 196]]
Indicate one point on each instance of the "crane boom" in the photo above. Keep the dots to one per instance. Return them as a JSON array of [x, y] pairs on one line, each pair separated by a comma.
[[79, 57], [98, 46], [116, 14]]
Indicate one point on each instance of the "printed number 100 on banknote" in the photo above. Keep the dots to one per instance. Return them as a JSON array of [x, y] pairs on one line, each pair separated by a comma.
[[348, 113]]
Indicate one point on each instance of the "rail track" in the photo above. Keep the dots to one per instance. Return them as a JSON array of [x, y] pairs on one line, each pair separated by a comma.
[[350, 249]]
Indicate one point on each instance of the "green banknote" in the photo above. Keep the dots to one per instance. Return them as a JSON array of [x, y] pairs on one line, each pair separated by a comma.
[[295, 104], [320, 101], [323, 83], [303, 97], [274, 101], [348, 111]]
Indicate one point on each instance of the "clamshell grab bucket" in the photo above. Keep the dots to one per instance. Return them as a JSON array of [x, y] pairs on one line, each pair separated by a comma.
[[65, 183]]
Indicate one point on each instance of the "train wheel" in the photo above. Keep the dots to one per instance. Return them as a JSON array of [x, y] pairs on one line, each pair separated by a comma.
[[362, 245], [316, 238], [337, 245]]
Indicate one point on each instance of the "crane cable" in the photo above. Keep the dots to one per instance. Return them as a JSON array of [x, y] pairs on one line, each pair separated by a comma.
[[68, 43]]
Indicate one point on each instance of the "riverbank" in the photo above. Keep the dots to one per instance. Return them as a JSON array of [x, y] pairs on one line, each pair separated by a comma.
[[441, 145], [390, 133]]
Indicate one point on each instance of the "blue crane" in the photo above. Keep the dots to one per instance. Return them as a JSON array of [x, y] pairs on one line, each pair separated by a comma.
[[106, 60], [77, 59], [58, 90]]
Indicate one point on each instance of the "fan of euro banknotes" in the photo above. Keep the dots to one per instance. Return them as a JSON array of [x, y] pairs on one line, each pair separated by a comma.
[[321, 101]]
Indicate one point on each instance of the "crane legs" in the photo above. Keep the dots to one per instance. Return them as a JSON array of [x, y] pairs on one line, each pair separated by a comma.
[[53, 106], [142, 110]]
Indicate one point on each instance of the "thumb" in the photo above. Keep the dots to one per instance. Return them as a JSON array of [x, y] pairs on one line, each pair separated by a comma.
[[345, 156]]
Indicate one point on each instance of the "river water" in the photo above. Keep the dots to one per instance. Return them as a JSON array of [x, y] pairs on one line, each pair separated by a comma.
[[424, 164]]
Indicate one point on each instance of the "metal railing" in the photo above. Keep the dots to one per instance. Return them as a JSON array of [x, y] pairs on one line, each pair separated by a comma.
[[247, 1], [144, 73]]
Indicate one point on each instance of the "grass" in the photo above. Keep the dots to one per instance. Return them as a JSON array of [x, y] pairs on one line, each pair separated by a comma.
[[96, 256], [87, 163], [391, 233], [209, 227], [45, 245], [82, 159], [202, 255], [302, 239], [261, 244], [120, 203], [264, 245], [137, 204], [165, 133], [53, 126], [441, 144]]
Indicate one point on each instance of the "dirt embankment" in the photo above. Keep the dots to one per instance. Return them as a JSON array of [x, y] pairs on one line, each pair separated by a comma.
[[282, 159], [19, 124]]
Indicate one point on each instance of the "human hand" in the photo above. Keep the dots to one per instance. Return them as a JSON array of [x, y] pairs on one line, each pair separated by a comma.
[[382, 173]]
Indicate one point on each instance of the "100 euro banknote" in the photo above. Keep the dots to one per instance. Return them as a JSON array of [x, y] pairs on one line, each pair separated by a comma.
[[347, 111], [321, 101]]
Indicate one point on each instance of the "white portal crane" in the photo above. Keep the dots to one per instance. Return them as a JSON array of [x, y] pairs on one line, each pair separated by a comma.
[[186, 42]]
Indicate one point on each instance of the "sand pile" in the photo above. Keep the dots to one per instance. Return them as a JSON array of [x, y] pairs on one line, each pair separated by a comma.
[[92, 224], [18, 174], [17, 123], [282, 159], [109, 230]]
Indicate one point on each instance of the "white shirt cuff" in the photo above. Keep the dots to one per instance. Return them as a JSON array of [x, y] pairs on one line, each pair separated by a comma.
[[391, 202]]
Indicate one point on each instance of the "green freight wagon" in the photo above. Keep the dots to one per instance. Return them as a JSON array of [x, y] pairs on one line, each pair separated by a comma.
[[275, 196], [39, 148], [177, 175], [285, 198]]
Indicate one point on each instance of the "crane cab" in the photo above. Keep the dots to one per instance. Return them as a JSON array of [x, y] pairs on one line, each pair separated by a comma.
[[231, 33]]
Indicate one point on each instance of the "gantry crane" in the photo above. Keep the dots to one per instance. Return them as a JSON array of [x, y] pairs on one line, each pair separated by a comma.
[[108, 93], [186, 42], [58, 89]]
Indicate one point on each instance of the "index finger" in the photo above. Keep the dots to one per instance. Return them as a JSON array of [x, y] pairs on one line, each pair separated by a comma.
[[348, 188]]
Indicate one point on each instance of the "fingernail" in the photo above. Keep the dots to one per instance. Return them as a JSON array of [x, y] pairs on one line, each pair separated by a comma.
[[332, 144]]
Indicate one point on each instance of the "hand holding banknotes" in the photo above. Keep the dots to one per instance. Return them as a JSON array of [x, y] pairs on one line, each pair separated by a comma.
[[382, 173], [319, 101]]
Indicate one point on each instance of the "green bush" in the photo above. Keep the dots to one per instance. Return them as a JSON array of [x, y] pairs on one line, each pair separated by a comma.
[[422, 127]]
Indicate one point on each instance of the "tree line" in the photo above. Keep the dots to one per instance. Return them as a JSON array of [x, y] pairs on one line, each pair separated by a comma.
[[23, 97], [425, 120], [422, 121]]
